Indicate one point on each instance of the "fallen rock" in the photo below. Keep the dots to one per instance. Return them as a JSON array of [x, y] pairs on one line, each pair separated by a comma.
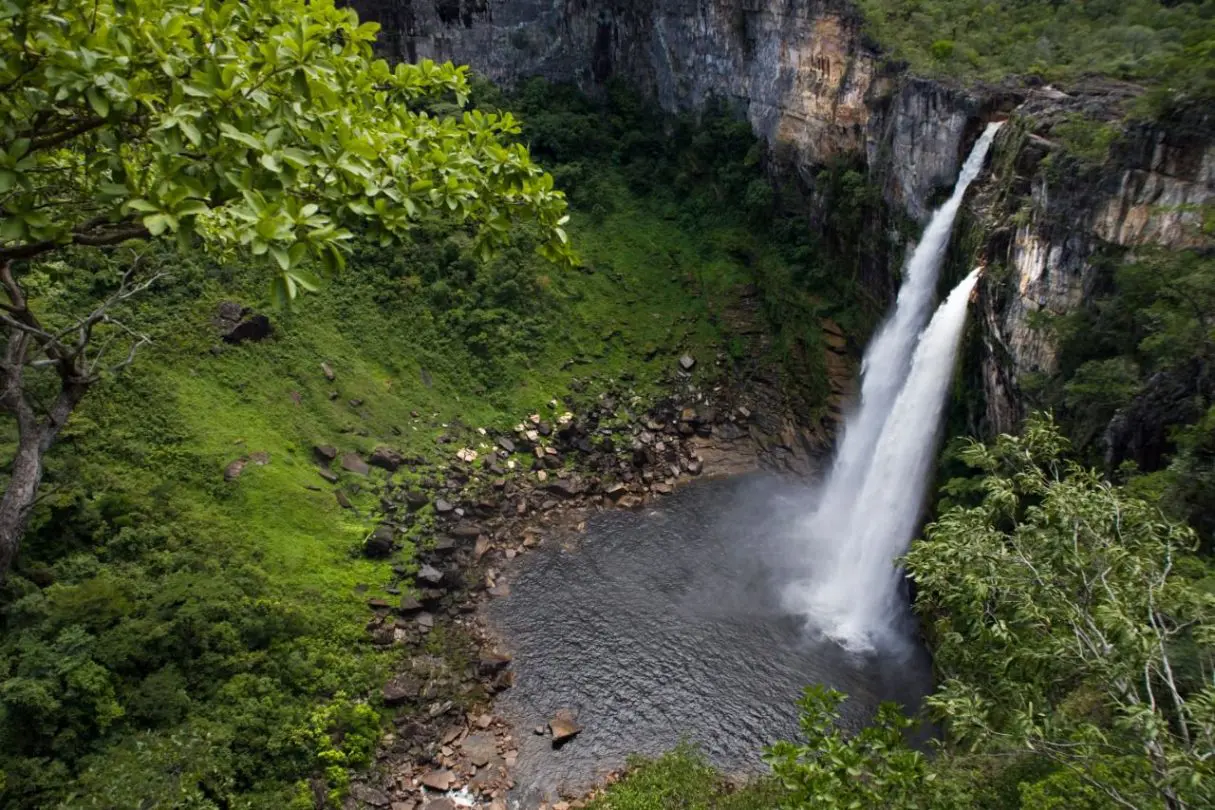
[[386, 459], [492, 662], [443, 507], [369, 795], [466, 530], [342, 500], [327, 370], [409, 605], [430, 575], [234, 469], [687, 362], [506, 444], [400, 689], [328, 475], [354, 463], [480, 748], [566, 488], [563, 726], [379, 544], [437, 780], [325, 453]]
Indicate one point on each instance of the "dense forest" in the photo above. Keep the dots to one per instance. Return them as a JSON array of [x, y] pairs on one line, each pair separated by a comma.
[[178, 632]]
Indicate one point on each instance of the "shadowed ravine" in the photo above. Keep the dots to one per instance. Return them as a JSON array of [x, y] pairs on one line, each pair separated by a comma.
[[666, 624]]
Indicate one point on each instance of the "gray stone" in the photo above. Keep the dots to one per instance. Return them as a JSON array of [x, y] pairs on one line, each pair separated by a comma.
[[687, 362], [430, 575], [354, 463], [369, 795], [480, 748]]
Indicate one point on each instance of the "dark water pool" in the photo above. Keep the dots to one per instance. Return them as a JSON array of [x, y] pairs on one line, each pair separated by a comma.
[[666, 624]]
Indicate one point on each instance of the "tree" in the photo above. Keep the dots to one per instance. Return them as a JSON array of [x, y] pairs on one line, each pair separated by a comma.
[[258, 126], [875, 767], [1066, 625]]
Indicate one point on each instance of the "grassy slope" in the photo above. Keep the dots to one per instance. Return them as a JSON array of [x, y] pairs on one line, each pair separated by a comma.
[[268, 556]]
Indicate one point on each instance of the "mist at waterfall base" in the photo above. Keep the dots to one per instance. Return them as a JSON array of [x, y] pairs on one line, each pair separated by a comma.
[[869, 507]]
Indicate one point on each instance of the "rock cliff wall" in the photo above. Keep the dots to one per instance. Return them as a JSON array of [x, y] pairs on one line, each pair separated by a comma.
[[800, 70], [803, 74], [1050, 225]]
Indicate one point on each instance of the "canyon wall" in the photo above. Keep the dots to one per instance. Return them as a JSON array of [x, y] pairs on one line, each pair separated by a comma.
[[1055, 226], [799, 70], [803, 74]]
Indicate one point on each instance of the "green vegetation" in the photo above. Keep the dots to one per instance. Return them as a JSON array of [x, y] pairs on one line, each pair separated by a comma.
[[1147, 338], [682, 780], [263, 127], [172, 639], [1167, 45]]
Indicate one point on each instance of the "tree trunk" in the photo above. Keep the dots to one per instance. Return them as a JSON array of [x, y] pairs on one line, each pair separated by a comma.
[[19, 497], [35, 435]]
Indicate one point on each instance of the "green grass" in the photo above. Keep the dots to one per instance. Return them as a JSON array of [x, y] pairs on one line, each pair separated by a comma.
[[1165, 45]]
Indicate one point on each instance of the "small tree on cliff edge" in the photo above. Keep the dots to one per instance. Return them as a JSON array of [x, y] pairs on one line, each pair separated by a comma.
[[256, 125]]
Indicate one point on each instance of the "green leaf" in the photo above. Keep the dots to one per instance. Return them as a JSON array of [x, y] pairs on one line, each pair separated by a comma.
[[8, 179], [156, 223], [281, 256], [98, 101]]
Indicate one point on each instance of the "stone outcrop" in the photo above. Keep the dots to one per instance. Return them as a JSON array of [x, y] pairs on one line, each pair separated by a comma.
[[1046, 223], [800, 71]]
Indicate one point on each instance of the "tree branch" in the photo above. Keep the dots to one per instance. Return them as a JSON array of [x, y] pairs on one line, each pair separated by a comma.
[[122, 232]]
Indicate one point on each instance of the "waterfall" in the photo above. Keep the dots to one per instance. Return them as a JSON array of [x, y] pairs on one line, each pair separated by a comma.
[[870, 504], [886, 360]]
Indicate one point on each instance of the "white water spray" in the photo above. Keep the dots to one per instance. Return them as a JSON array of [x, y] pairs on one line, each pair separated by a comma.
[[871, 502], [854, 598]]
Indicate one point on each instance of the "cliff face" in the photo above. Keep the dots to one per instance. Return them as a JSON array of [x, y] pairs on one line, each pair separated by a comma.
[[802, 73], [798, 69], [1048, 225]]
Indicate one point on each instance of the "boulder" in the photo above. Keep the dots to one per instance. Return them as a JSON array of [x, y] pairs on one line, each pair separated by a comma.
[[563, 726], [369, 795], [386, 459], [443, 507], [430, 575], [687, 362], [253, 329], [234, 469], [410, 604], [379, 545], [466, 530], [480, 748], [506, 444], [325, 453], [327, 370], [400, 689], [437, 780], [566, 488], [354, 463]]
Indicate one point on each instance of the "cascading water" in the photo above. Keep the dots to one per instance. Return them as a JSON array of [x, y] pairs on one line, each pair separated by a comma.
[[870, 504]]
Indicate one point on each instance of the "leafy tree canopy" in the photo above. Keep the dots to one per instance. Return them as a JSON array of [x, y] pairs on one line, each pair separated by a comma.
[[263, 125]]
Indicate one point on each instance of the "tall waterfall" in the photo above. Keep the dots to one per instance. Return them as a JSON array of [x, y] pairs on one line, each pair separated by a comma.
[[871, 502]]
